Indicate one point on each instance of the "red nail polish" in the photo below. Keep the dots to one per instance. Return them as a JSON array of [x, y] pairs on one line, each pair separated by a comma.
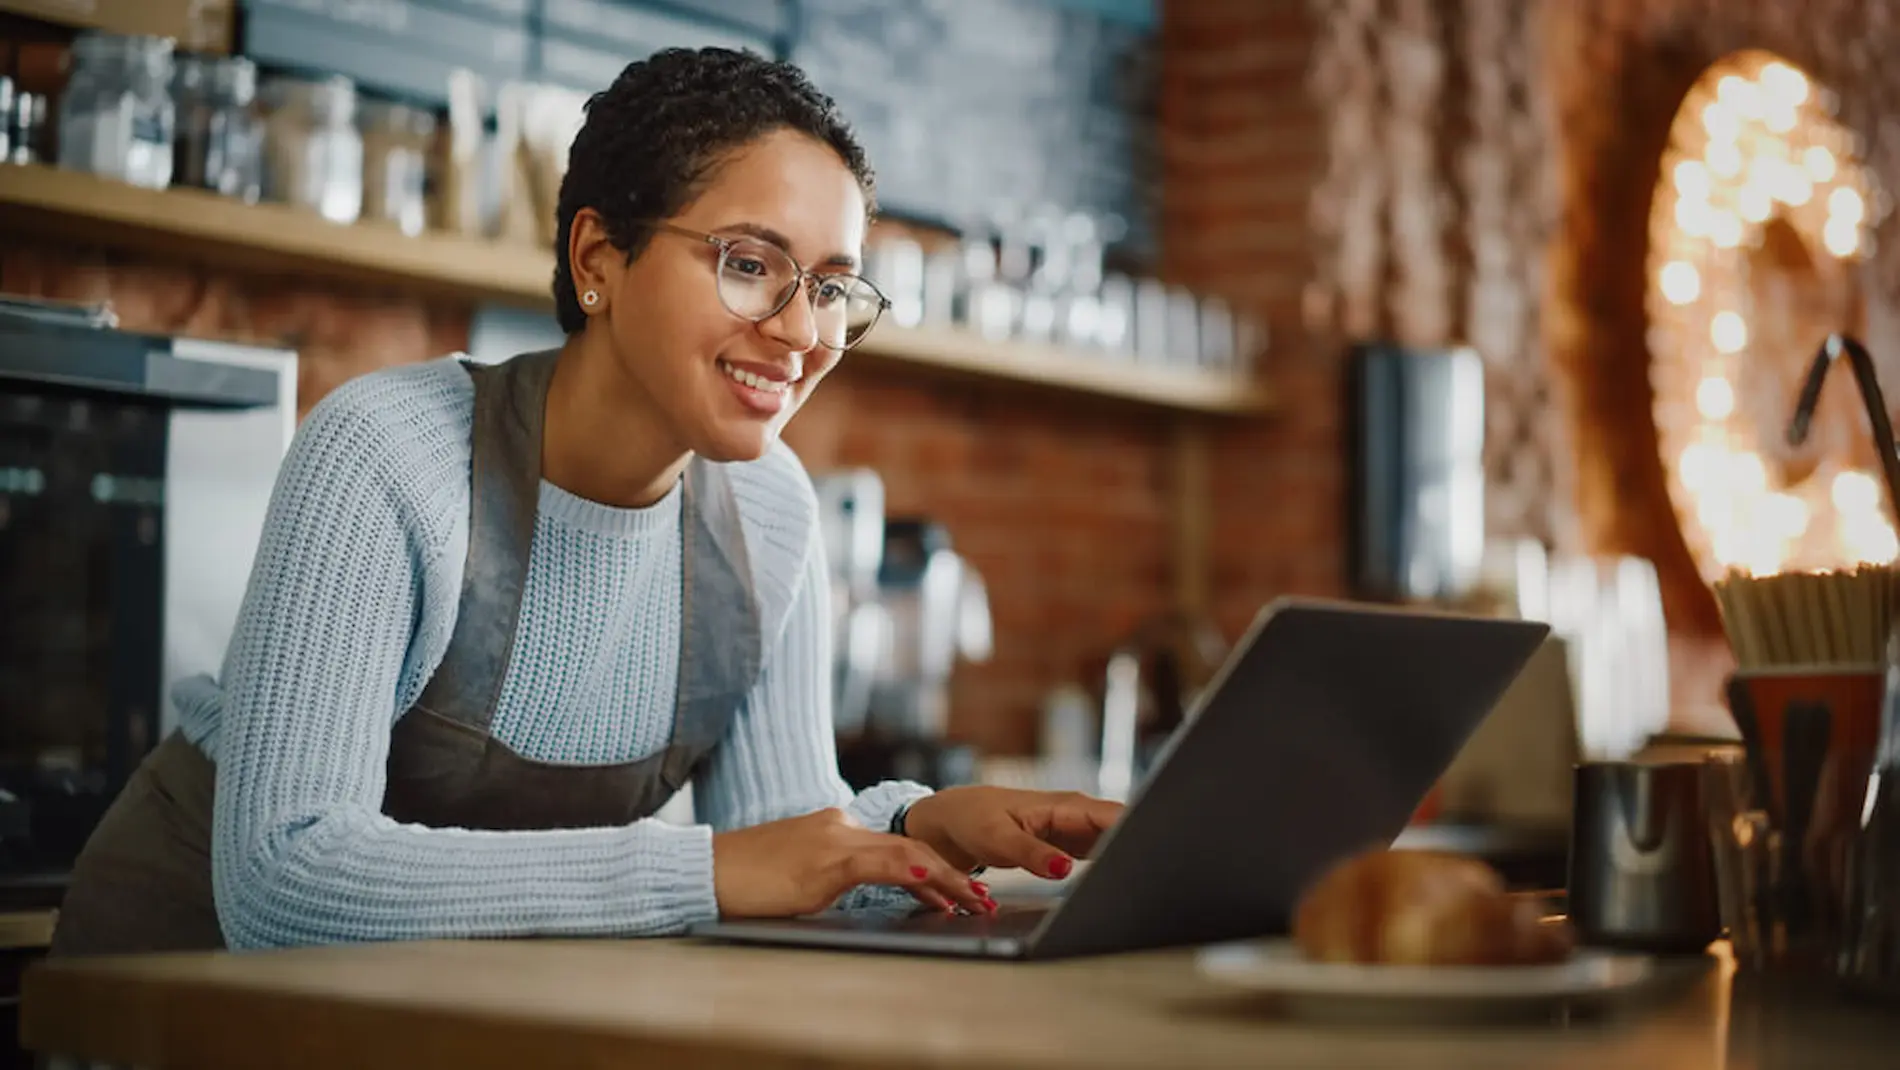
[[990, 904], [1061, 866], [919, 872], [979, 888]]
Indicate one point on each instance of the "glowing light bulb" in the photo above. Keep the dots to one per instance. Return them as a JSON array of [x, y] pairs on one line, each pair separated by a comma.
[[1692, 179], [1694, 217], [1753, 203], [1724, 158], [1729, 333], [1787, 86], [1715, 398], [1744, 96], [1882, 546], [1766, 557], [1721, 122], [1870, 539], [1855, 493], [1725, 229], [1680, 283], [1786, 515], [1792, 186], [1819, 162], [1841, 236], [1699, 465], [1717, 514], [1727, 550], [1845, 204]]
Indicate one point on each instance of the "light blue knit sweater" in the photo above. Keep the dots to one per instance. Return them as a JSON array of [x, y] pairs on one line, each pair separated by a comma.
[[349, 611]]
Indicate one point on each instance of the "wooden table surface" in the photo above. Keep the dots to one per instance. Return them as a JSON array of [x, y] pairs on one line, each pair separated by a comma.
[[679, 1003]]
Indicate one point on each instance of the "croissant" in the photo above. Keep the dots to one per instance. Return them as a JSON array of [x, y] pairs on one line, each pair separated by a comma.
[[1422, 908]]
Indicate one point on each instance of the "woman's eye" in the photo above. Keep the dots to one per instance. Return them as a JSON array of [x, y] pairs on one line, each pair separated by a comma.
[[748, 266], [830, 292]]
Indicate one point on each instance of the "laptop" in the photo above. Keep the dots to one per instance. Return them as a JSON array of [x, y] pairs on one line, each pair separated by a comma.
[[1319, 737]]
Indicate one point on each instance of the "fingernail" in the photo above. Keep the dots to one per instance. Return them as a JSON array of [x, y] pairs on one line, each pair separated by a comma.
[[990, 904], [979, 888], [919, 872], [1061, 866]]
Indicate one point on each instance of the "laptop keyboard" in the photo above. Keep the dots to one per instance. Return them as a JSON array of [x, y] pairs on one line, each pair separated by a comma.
[[1009, 920]]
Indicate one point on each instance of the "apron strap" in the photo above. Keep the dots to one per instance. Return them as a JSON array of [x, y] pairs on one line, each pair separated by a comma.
[[510, 415], [721, 640]]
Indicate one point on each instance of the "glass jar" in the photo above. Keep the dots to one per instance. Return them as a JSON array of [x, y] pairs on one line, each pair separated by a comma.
[[313, 153], [397, 146], [220, 138], [116, 116]]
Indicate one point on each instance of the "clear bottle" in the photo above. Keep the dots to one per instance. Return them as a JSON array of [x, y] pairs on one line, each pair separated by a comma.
[[313, 156], [397, 146], [220, 137], [116, 116]]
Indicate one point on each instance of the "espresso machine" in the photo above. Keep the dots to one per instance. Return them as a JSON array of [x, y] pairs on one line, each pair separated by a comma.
[[936, 616], [851, 515], [135, 474], [906, 611]]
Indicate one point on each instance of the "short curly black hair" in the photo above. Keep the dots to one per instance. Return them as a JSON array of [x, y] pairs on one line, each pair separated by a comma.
[[651, 139]]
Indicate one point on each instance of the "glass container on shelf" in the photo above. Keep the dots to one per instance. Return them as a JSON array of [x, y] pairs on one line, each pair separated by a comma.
[[116, 116], [220, 137], [313, 156], [397, 140]]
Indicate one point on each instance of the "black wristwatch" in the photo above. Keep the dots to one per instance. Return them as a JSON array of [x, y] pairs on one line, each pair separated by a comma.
[[897, 829]]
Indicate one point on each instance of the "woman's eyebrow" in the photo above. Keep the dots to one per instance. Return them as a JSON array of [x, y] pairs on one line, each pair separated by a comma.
[[768, 234]]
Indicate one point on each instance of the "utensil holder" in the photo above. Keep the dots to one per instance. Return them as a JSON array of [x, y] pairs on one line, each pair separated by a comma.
[[1805, 825]]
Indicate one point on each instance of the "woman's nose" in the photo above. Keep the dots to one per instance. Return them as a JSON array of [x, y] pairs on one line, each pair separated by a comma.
[[794, 326]]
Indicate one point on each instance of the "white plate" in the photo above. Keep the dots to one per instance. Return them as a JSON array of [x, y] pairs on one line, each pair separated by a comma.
[[1588, 977]]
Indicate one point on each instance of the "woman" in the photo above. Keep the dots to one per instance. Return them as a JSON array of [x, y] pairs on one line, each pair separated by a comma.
[[499, 615]]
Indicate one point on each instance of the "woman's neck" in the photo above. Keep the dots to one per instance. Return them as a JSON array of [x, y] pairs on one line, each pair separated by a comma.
[[605, 440]]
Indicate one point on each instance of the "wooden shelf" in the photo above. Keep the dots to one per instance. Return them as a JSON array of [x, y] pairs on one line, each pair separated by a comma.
[[202, 227], [1103, 375]]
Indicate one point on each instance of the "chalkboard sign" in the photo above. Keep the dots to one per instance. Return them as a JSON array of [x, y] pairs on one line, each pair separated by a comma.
[[405, 48], [969, 105], [583, 44]]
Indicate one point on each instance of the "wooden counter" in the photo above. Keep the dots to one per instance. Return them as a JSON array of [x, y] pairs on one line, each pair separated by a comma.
[[674, 1003]]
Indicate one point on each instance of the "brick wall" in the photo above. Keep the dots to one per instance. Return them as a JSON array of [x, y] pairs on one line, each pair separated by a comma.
[[1243, 147]]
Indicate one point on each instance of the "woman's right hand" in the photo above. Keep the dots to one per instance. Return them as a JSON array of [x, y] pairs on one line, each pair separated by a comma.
[[802, 865]]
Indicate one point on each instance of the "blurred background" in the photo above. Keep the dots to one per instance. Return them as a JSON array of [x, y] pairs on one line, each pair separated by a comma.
[[1484, 304]]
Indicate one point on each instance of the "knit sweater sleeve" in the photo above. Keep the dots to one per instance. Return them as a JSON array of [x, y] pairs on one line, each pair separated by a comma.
[[302, 852]]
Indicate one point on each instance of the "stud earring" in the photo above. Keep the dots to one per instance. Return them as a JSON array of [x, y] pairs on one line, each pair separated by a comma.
[[591, 298]]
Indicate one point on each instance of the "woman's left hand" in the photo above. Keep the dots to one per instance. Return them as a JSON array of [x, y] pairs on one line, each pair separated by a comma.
[[1040, 831]]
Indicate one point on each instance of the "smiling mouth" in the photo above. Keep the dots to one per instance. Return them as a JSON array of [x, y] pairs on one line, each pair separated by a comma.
[[755, 381]]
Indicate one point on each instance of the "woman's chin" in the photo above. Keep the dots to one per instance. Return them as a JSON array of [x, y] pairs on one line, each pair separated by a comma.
[[735, 441]]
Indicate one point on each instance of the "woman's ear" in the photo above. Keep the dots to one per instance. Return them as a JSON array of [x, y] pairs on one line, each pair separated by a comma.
[[596, 263]]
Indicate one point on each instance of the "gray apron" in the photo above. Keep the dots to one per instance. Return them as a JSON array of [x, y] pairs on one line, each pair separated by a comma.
[[143, 881]]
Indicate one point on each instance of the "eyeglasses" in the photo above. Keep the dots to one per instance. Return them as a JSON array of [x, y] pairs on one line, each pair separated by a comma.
[[757, 279]]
